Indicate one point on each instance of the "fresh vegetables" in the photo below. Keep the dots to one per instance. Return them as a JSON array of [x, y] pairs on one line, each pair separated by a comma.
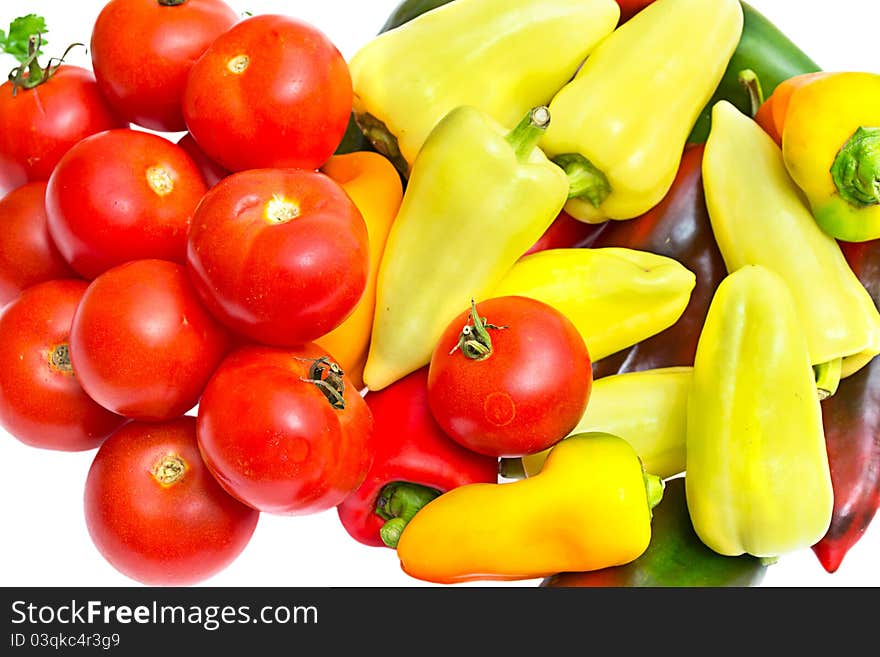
[[413, 462], [589, 508], [487, 338], [741, 164], [496, 370], [757, 473], [453, 241], [831, 149], [407, 79], [675, 557], [622, 160]]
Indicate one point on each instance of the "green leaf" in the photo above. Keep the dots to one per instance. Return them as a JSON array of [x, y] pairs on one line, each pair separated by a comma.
[[15, 43]]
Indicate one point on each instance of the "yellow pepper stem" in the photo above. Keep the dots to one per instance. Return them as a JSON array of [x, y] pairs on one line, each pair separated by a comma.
[[828, 377], [654, 487], [752, 83], [527, 133], [856, 169], [585, 180], [383, 141], [397, 503]]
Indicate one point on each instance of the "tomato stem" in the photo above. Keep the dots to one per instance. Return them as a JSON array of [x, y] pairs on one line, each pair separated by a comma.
[[59, 358], [171, 3], [326, 375], [169, 469], [475, 341], [36, 75]]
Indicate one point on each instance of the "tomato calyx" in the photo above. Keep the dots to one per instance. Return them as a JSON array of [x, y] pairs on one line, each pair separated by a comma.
[[29, 74], [169, 469], [474, 340], [397, 503], [326, 375], [59, 358], [171, 3]]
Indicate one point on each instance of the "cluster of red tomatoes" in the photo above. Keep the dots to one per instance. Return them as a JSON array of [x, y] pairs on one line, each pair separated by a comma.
[[144, 279]]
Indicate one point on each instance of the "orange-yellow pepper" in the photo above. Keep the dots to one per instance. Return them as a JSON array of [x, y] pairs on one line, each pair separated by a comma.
[[374, 185], [588, 508]]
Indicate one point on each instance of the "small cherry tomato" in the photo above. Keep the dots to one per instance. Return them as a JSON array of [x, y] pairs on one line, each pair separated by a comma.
[[510, 377], [155, 513], [142, 52], [270, 92], [142, 344], [122, 195], [280, 256], [42, 123], [306, 443], [28, 254], [41, 401]]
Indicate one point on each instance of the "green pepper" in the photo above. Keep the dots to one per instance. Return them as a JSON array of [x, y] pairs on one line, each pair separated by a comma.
[[477, 199], [764, 49], [758, 479], [500, 56], [675, 556]]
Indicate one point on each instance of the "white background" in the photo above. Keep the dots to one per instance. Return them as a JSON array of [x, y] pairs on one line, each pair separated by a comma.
[[43, 539]]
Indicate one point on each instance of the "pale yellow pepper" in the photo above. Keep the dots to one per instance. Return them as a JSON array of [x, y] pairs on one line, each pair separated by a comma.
[[615, 297], [588, 508], [648, 409], [620, 126]]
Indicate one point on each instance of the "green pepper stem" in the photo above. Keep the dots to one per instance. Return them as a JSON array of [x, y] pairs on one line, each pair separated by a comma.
[[585, 180], [527, 133], [827, 377], [654, 487], [752, 84], [397, 503], [856, 169], [511, 468]]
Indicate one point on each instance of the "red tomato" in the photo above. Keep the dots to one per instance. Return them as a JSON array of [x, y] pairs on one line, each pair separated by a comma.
[[122, 195], [211, 171], [279, 256], [155, 513], [520, 391], [41, 401], [306, 444], [145, 83], [272, 91], [28, 254], [142, 344], [41, 124]]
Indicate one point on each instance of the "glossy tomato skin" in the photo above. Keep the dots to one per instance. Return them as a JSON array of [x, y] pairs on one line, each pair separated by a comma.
[[122, 195], [271, 92], [142, 344], [42, 403], [296, 453], [155, 513], [527, 395], [28, 254], [41, 124], [144, 82], [280, 256], [211, 171]]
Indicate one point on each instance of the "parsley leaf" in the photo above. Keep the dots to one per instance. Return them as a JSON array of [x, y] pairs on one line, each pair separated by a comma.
[[15, 42]]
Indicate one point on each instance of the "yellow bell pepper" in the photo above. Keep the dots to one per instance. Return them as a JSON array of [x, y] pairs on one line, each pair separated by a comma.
[[477, 199], [500, 56], [758, 480], [588, 508], [620, 126], [759, 217], [831, 148], [615, 297], [648, 409], [374, 185]]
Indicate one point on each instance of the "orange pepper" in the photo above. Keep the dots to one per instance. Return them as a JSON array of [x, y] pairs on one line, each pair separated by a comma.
[[772, 112], [372, 182]]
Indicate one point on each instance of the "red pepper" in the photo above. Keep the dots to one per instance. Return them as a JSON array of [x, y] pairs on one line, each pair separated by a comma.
[[566, 232], [677, 227], [414, 461], [851, 418], [629, 8]]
